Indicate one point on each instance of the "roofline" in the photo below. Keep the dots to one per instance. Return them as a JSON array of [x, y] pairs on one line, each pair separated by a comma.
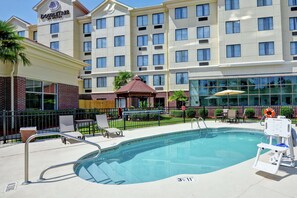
[[76, 2], [40, 46], [105, 1], [19, 19]]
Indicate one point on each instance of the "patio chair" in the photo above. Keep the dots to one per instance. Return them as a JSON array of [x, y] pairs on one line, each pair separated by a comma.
[[232, 115], [243, 117], [66, 126], [281, 153], [102, 124]]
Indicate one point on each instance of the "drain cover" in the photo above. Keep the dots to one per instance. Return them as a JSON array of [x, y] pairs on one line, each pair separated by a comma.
[[10, 187]]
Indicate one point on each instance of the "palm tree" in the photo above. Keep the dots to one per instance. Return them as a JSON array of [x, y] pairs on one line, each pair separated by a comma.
[[121, 79], [178, 96], [12, 52]]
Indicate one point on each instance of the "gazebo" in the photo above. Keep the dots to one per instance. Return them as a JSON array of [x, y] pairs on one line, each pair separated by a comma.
[[136, 89]]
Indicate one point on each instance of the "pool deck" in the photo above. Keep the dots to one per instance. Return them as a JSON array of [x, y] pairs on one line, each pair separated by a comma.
[[240, 180]]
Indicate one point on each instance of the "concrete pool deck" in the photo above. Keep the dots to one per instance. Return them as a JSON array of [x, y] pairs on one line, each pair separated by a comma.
[[240, 180]]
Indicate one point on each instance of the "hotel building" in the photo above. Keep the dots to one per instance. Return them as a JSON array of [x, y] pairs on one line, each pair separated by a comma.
[[201, 47]]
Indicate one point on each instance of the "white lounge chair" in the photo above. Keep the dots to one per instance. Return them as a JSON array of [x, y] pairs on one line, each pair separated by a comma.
[[66, 125], [102, 124], [282, 153]]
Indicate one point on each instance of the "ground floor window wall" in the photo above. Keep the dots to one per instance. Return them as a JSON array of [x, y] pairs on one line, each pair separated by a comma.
[[41, 95], [261, 91]]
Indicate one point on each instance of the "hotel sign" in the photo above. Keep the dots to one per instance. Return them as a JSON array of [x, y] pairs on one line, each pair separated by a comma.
[[55, 7]]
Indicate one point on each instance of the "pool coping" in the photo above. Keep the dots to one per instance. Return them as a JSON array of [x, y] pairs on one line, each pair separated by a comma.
[[228, 182]]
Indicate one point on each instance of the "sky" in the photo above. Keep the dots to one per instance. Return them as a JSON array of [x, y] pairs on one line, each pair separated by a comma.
[[23, 8]]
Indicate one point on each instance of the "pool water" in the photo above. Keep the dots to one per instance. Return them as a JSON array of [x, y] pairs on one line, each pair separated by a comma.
[[156, 158]]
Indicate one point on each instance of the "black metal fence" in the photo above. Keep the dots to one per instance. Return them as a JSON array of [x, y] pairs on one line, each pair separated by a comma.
[[46, 121]]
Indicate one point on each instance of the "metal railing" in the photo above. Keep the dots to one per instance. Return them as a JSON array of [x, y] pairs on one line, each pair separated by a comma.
[[26, 172], [197, 121]]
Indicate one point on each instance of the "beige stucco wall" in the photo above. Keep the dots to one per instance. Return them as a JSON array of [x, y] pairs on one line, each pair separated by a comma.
[[46, 65]]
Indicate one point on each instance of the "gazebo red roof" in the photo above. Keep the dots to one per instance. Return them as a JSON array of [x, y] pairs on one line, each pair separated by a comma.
[[136, 86]]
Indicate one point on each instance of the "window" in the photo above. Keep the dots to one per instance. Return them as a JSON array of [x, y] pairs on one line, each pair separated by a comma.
[[231, 4], [181, 56], [142, 40], [119, 21], [293, 23], [203, 54], [203, 32], [266, 48], [292, 2], [35, 36], [232, 27], [54, 28], [181, 34], [265, 23], [41, 95], [55, 45], [142, 20], [261, 3], [87, 83], [293, 46], [101, 23], [142, 60], [101, 43], [158, 19], [87, 28], [181, 13], [119, 41], [182, 78], [89, 62], [87, 46], [144, 78], [233, 51], [21, 33], [101, 62], [119, 61], [159, 80], [158, 59], [158, 39], [202, 10], [101, 81]]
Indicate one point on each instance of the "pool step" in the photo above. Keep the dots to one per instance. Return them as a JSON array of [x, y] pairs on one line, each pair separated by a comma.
[[98, 175], [111, 173], [129, 177], [85, 174]]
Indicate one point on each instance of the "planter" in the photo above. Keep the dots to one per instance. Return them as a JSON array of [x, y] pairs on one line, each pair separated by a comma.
[[26, 132]]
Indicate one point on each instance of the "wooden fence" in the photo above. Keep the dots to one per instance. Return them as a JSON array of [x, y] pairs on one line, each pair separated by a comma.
[[96, 104]]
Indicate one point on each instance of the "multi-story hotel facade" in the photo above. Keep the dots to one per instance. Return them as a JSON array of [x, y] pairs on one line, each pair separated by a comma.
[[201, 47]]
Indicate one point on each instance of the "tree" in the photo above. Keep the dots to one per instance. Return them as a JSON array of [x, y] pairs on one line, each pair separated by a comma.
[[121, 79], [179, 97], [12, 52]]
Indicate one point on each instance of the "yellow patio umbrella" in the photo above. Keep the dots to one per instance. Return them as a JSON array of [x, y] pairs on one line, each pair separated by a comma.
[[227, 93]]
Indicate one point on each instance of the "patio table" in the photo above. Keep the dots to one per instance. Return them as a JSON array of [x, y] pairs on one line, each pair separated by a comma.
[[84, 122]]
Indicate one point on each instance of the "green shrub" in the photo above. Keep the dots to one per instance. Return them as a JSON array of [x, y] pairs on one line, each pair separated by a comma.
[[218, 112], [250, 112], [203, 113], [176, 113], [144, 117], [190, 112], [287, 111]]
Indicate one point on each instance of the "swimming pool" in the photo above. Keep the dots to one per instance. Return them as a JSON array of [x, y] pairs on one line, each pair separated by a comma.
[[163, 156]]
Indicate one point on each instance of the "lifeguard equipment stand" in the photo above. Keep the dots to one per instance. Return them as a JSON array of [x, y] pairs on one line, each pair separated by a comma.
[[281, 153]]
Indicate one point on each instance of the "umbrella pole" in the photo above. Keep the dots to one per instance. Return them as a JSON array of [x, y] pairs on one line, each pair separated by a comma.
[[228, 101]]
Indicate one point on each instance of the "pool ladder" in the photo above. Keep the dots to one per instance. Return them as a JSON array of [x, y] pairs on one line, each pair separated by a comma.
[[197, 121]]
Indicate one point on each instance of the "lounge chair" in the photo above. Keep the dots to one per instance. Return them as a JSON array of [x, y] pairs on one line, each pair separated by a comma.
[[66, 125], [243, 117], [281, 153], [102, 124], [232, 115]]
